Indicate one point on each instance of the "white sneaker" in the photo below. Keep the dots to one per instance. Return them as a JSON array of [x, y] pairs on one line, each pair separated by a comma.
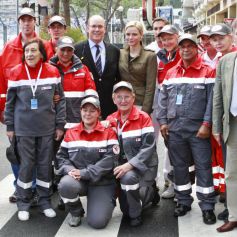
[[23, 215], [169, 192], [49, 213]]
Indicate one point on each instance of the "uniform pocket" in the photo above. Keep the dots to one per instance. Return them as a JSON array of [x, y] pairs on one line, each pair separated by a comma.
[[198, 101]]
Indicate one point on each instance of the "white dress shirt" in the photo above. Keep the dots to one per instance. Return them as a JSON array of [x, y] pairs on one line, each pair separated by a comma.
[[102, 52]]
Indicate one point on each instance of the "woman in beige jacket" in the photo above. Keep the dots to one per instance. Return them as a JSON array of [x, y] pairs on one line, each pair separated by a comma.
[[138, 66]]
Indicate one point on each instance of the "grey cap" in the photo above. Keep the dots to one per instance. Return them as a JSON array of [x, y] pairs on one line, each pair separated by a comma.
[[169, 29], [187, 36], [123, 84], [26, 11], [91, 100], [65, 41], [205, 30], [58, 19], [220, 29]]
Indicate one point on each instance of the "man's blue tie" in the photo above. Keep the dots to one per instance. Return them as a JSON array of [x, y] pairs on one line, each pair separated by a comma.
[[98, 60]]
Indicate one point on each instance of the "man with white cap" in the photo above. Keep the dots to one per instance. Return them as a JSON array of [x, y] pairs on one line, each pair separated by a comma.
[[221, 38], [184, 114], [12, 55], [210, 56], [56, 28], [138, 161], [76, 79]]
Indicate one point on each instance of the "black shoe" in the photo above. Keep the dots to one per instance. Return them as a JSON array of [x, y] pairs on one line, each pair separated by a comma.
[[209, 217], [156, 198], [181, 210], [136, 221], [223, 216], [13, 197], [61, 205]]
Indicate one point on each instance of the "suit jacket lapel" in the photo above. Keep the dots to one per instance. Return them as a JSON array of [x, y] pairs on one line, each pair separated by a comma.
[[89, 55], [106, 57]]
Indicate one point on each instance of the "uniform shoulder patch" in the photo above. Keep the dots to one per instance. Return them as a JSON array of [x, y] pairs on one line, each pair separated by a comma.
[[116, 149]]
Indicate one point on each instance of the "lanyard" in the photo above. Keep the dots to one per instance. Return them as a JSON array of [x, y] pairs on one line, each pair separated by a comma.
[[121, 129], [33, 87]]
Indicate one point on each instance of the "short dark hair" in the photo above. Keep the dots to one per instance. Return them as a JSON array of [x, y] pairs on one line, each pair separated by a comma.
[[41, 48], [160, 19]]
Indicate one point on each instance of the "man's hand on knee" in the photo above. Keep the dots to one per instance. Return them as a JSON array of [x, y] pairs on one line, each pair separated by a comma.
[[121, 170]]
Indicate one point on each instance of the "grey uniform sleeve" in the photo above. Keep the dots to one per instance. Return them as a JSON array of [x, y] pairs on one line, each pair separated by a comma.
[[94, 172], [60, 109], [208, 112], [161, 114], [141, 160], [64, 164], [10, 107]]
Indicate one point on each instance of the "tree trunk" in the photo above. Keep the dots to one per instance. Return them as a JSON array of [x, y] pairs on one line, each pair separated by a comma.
[[66, 8], [55, 7]]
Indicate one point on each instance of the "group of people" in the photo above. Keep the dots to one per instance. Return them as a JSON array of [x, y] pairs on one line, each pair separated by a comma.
[[96, 111]]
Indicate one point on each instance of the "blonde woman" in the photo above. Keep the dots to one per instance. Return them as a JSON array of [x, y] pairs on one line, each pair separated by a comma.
[[138, 66]]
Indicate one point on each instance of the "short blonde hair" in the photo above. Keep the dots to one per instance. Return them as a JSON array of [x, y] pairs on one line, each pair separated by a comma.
[[136, 24]]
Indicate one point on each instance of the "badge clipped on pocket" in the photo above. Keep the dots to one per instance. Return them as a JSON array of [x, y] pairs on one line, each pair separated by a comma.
[[34, 104], [179, 99]]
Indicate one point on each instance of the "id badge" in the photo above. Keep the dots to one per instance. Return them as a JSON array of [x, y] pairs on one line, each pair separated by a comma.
[[34, 104], [179, 99]]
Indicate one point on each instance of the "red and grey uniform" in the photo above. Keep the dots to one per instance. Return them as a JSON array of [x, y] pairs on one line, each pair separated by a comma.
[[185, 104], [165, 63], [50, 49], [34, 128], [138, 147], [95, 155], [77, 84], [11, 56]]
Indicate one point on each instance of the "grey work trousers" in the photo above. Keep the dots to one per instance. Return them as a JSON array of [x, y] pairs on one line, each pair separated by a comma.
[[179, 148], [35, 153], [100, 200], [136, 191]]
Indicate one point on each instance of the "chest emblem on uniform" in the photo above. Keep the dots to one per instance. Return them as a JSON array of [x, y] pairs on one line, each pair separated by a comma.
[[116, 149]]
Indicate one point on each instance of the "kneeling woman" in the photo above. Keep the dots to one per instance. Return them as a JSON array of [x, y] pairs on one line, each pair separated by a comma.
[[33, 117], [86, 159], [138, 160]]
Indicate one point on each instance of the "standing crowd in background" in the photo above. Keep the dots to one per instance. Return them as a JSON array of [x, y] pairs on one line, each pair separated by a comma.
[[84, 119]]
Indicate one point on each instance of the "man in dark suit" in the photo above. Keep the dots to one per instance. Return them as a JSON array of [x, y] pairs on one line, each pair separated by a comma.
[[102, 60]]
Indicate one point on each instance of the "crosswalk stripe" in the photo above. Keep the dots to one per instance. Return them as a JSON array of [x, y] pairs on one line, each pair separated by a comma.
[[7, 209], [192, 222], [111, 229]]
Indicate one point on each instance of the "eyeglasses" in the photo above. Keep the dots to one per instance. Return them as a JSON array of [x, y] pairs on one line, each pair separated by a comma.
[[126, 98]]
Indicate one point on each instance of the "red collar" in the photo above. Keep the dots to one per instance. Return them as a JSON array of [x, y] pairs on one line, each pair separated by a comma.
[[65, 69], [99, 127], [17, 42], [197, 64], [134, 114]]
